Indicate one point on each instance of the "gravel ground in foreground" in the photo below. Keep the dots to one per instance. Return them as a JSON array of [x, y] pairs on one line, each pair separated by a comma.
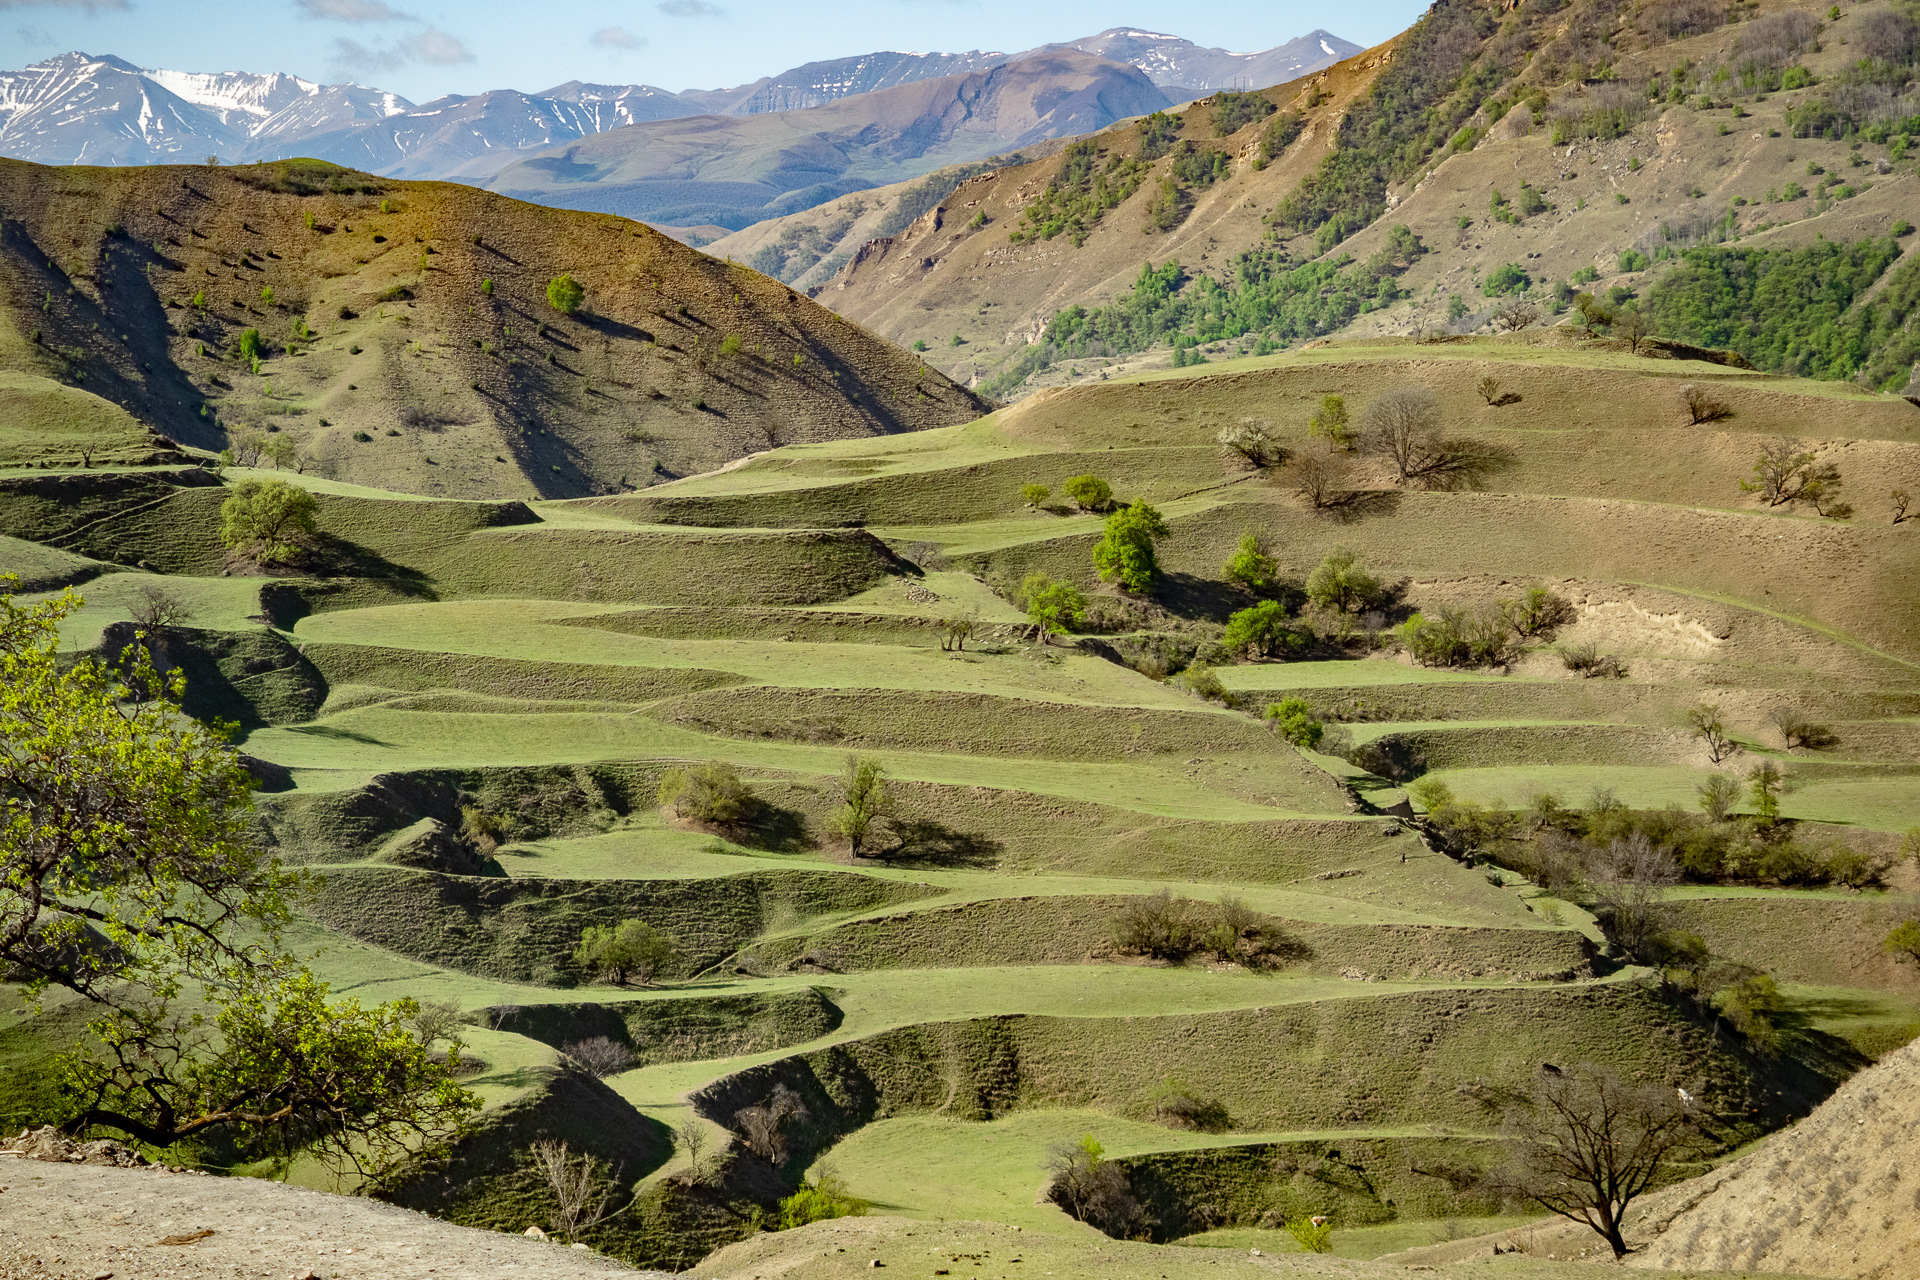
[[64, 1221]]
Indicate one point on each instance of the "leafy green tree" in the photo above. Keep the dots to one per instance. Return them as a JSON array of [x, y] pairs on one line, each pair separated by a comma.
[[564, 294], [1342, 584], [711, 792], [266, 295], [129, 878], [730, 345], [1251, 568], [866, 802], [1035, 495], [1765, 782], [1331, 423], [1126, 550], [270, 520], [1294, 718], [1718, 795], [632, 949], [1261, 632], [1904, 941], [252, 347], [1057, 607], [1313, 1235], [1089, 493]]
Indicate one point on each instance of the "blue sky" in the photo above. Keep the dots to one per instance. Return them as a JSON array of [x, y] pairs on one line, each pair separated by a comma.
[[425, 48]]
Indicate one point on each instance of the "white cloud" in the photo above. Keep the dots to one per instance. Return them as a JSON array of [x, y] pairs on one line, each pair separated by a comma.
[[432, 46], [91, 6], [690, 9], [616, 38], [352, 10]]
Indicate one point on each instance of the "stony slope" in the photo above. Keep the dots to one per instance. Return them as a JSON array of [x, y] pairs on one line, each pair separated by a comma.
[[1691, 168], [407, 337]]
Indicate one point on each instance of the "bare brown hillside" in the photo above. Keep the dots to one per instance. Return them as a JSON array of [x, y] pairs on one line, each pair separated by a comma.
[[1687, 168], [406, 335]]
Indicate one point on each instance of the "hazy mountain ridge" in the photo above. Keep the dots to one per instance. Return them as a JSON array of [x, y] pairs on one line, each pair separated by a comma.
[[81, 108]]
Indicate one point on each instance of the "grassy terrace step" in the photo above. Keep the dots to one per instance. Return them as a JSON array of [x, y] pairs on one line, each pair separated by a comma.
[[1879, 799]]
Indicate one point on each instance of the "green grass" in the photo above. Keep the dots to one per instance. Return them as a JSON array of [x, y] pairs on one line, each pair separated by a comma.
[[1881, 804], [1359, 1242]]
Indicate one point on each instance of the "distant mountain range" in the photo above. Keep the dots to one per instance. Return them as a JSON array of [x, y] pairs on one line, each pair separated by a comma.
[[82, 108]]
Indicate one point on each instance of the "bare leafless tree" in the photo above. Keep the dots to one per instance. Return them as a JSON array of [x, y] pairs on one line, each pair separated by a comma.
[[1254, 441], [763, 1127], [1514, 315], [157, 608], [1489, 388], [437, 1020], [1900, 499], [1786, 472], [1585, 1146], [693, 1139], [1629, 879], [1634, 325], [1320, 476], [1797, 729], [581, 1185], [601, 1055], [1705, 723], [1405, 426], [1703, 405]]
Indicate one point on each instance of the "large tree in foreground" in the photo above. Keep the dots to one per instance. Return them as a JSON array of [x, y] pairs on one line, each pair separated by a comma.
[[127, 877], [1585, 1145]]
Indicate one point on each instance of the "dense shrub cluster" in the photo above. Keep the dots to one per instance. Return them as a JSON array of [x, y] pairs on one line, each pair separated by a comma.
[[1079, 195], [1166, 927]]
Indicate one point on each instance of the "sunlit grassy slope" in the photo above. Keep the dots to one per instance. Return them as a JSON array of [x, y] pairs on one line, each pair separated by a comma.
[[953, 1007]]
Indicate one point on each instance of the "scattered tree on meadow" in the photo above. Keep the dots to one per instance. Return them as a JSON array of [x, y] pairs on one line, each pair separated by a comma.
[[1903, 943], [1054, 607], [270, 520], [1703, 719], [565, 294], [1251, 568], [692, 1135], [1537, 614], [157, 608], [1089, 493], [1320, 475], [1253, 441], [1703, 405], [1797, 729], [1765, 782], [1511, 315], [866, 803], [1330, 422], [1489, 388], [1035, 495], [954, 634], [129, 877], [437, 1020], [1261, 631], [631, 950], [1786, 473], [1632, 324], [1342, 584], [1126, 550], [711, 792], [1585, 1146], [1718, 795], [1405, 425]]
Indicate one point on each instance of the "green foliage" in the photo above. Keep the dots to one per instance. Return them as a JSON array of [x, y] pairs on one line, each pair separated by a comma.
[[1314, 1235], [1089, 493], [1633, 260], [866, 802], [1251, 568], [266, 295], [1279, 135], [1765, 782], [1508, 277], [1331, 422], [1126, 549], [565, 294], [252, 347], [1340, 583], [631, 949], [1157, 134], [730, 345], [1057, 607], [1201, 681], [1750, 1007], [1792, 310], [820, 1198], [1078, 195], [1294, 718], [1449, 637], [710, 792], [270, 520], [1235, 111], [1261, 631], [128, 876], [1199, 167], [486, 287], [919, 344], [1035, 495], [1903, 942]]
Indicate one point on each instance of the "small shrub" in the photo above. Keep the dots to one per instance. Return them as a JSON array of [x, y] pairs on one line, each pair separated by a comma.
[[1703, 405], [822, 1197], [1294, 718], [1330, 421], [601, 1056], [1799, 730], [1252, 440], [711, 792], [486, 287], [1200, 680], [1314, 1235], [730, 345], [1089, 493], [1585, 659], [1457, 638], [1261, 631], [1538, 613], [565, 294], [1251, 568], [1178, 1106]]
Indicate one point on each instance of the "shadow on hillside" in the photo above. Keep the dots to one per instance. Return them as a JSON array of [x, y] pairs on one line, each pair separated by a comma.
[[769, 829], [924, 842], [336, 557], [1190, 596], [1359, 504]]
